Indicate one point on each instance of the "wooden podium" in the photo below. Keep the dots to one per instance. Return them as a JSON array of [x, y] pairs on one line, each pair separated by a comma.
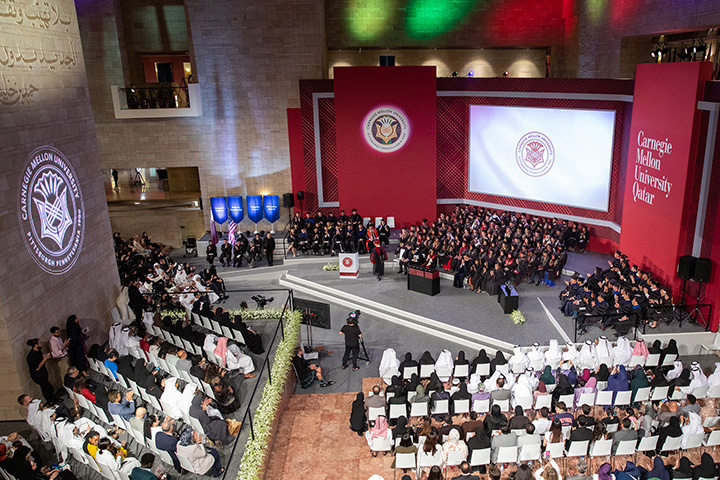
[[424, 281]]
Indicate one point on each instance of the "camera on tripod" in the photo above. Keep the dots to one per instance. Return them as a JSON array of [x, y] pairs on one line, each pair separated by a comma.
[[262, 301], [353, 318]]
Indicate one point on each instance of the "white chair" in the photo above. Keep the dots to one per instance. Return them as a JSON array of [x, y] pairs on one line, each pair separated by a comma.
[[671, 444], [678, 395], [419, 409], [713, 439], [482, 369], [118, 421], [526, 402], [626, 447], [602, 385], [507, 455], [185, 463], [503, 404], [659, 393], [426, 461], [602, 448], [164, 456], [377, 221], [612, 427], [409, 371], [481, 406], [543, 401], [669, 360], [461, 406], [623, 398], [710, 422], [700, 392], [398, 410], [391, 222], [714, 347], [374, 412], [461, 371], [587, 399], [652, 360], [555, 450], [155, 403], [107, 472], [694, 441], [480, 457], [636, 360], [568, 399], [537, 365], [454, 459], [647, 444], [405, 460], [426, 370], [530, 453], [366, 220], [517, 369], [642, 394], [503, 369], [578, 449], [443, 373], [441, 406]]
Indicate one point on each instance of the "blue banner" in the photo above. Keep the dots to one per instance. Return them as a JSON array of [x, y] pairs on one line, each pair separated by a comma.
[[271, 205], [254, 206], [235, 207], [219, 209]]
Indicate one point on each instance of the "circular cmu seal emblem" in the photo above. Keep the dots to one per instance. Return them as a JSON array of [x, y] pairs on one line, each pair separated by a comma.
[[51, 210], [347, 262], [535, 154], [386, 129]]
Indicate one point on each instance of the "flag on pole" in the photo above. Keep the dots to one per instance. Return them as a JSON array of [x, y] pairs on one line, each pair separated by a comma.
[[213, 231], [231, 232]]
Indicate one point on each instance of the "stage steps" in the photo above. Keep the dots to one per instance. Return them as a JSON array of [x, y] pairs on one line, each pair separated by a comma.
[[472, 340]]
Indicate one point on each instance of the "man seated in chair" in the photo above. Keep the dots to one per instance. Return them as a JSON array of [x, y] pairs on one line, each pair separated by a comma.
[[306, 372], [376, 400], [126, 409], [625, 433]]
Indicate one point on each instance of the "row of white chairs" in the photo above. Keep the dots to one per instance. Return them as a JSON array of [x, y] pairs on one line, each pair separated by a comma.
[[214, 326], [534, 452], [483, 369]]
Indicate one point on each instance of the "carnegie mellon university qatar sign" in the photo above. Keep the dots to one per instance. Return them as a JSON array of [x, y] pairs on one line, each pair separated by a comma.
[[386, 129], [51, 210]]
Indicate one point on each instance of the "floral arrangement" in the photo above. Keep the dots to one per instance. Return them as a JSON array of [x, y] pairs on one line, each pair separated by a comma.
[[331, 267], [257, 450], [517, 317], [175, 315]]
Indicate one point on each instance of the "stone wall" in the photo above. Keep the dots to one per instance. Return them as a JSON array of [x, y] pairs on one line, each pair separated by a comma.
[[44, 101], [248, 58]]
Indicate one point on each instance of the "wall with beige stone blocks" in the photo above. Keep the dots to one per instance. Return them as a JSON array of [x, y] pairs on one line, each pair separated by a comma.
[[248, 58], [44, 100]]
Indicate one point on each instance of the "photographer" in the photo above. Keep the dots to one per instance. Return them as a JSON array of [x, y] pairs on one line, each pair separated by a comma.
[[352, 335]]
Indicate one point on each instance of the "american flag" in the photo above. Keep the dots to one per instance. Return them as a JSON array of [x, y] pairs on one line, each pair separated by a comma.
[[231, 232]]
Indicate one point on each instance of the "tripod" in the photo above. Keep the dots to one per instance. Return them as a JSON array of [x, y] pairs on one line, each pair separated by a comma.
[[695, 312], [365, 358]]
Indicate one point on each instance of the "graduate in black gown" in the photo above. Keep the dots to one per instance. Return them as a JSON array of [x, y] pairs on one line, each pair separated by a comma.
[[358, 421]]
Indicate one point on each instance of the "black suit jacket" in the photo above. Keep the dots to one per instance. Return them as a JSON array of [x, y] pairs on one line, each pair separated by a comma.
[[579, 435]]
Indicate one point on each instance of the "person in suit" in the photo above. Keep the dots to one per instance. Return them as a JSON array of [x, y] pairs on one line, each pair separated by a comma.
[[165, 440], [268, 247], [505, 439], [625, 433], [581, 433], [144, 471], [501, 393]]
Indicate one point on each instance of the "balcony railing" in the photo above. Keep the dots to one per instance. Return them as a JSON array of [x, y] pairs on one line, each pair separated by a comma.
[[156, 102]]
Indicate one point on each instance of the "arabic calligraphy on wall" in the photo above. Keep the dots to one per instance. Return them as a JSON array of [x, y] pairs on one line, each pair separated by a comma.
[[37, 14]]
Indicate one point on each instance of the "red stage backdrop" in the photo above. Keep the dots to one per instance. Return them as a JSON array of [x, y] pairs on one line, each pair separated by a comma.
[[385, 134], [659, 210]]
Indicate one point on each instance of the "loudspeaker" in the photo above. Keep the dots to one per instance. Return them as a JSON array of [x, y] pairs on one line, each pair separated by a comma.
[[703, 268], [300, 195], [686, 267], [288, 200], [200, 203], [387, 60]]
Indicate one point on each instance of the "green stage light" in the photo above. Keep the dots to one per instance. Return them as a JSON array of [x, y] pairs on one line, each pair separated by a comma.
[[430, 18], [369, 19]]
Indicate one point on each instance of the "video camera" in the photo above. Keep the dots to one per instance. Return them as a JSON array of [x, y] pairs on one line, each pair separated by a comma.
[[353, 318], [262, 301]]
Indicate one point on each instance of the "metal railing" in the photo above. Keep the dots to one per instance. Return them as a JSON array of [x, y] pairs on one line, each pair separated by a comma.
[[680, 313], [155, 97]]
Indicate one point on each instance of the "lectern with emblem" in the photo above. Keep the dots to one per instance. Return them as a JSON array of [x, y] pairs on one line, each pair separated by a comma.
[[349, 265]]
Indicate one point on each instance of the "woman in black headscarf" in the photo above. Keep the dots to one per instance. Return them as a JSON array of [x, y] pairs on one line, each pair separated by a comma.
[[252, 339], [402, 428], [481, 358], [602, 374], [706, 469], [396, 388], [408, 362], [462, 393], [684, 470], [519, 420], [671, 430], [658, 379], [496, 420], [19, 465], [426, 359], [671, 349], [479, 441], [656, 347], [563, 388], [461, 360], [435, 383], [498, 360], [412, 384], [76, 346], [358, 422]]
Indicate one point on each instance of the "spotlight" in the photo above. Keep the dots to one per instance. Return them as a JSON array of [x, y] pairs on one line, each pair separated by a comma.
[[506, 74], [454, 75], [471, 73]]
